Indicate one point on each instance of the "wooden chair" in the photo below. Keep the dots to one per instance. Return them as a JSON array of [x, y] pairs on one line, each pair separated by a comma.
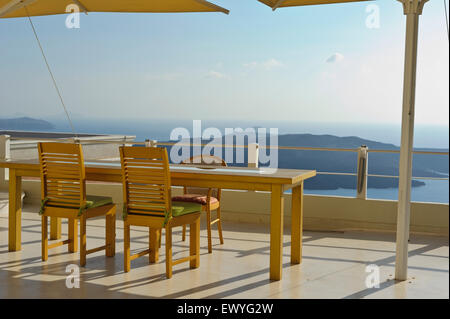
[[147, 202], [63, 195], [209, 198]]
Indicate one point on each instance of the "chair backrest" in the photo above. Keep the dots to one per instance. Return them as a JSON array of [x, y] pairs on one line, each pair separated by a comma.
[[204, 160], [146, 180], [63, 178]]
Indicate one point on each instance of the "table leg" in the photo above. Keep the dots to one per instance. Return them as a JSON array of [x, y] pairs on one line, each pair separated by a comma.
[[276, 232], [55, 228], [297, 224], [15, 211]]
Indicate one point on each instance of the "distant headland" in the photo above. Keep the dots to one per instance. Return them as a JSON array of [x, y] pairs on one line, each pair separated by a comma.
[[25, 123]]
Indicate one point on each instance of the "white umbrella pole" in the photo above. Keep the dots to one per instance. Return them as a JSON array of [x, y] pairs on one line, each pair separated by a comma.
[[412, 10]]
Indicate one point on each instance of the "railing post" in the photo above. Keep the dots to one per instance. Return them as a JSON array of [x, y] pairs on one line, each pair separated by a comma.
[[150, 143], [5, 154], [253, 155], [361, 186]]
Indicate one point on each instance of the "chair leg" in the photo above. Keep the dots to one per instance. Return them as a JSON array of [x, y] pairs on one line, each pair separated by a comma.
[[44, 238], [113, 230], [73, 235], [126, 246], [168, 252], [154, 240], [194, 245], [55, 228], [208, 227], [183, 236], [83, 240], [110, 235], [219, 225]]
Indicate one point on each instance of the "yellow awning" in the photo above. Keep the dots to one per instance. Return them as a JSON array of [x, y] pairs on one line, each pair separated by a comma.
[[14, 8], [293, 3]]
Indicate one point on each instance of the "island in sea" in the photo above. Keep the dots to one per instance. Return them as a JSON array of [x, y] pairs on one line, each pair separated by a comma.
[[25, 124]]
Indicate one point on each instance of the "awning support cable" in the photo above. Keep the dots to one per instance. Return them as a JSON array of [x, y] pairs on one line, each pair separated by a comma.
[[51, 73]]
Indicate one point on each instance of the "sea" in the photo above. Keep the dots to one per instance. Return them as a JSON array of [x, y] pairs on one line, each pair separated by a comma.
[[426, 136]]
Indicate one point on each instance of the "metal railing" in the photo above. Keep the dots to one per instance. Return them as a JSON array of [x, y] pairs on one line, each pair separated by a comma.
[[362, 154], [362, 172]]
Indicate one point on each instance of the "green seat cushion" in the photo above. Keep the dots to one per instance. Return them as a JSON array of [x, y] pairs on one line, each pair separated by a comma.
[[97, 201], [91, 202], [184, 208], [178, 209]]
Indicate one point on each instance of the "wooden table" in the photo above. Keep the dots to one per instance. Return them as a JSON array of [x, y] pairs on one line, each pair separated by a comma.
[[226, 178]]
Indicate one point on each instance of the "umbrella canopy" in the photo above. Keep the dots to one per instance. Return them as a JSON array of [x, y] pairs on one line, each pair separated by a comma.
[[15, 8], [293, 3]]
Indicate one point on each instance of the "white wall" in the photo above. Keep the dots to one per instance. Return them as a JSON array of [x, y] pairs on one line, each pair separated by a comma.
[[320, 212]]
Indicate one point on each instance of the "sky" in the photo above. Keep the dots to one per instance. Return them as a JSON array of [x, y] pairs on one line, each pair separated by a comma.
[[311, 64]]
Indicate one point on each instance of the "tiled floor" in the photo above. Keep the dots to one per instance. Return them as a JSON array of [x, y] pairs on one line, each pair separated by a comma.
[[334, 266]]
